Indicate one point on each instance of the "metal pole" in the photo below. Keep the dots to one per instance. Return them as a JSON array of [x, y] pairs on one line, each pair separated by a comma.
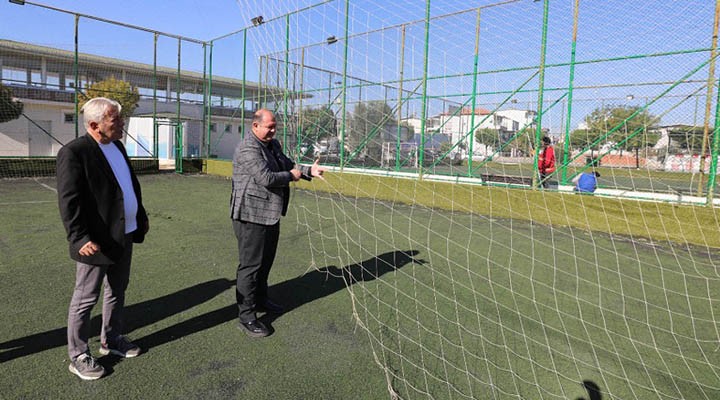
[[566, 142], [77, 79], [708, 99], [423, 111], [285, 92], [208, 103], [716, 132], [178, 127], [242, 90], [541, 83], [156, 146], [474, 93], [400, 96], [203, 144], [344, 87], [261, 86], [300, 122]]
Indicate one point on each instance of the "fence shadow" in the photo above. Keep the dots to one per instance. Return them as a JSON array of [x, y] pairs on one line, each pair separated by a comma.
[[141, 314], [293, 293]]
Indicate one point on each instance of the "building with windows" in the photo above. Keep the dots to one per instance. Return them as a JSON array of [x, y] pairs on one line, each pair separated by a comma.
[[171, 103]]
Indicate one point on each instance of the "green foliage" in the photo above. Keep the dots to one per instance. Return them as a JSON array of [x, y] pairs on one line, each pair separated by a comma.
[[487, 136], [445, 147], [582, 138], [368, 125], [318, 124], [116, 89], [630, 127], [409, 131], [9, 109]]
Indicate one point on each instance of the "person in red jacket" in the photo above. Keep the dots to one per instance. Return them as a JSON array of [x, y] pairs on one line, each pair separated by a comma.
[[546, 161]]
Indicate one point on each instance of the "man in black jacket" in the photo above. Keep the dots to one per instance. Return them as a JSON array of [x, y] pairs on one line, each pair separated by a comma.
[[101, 208]]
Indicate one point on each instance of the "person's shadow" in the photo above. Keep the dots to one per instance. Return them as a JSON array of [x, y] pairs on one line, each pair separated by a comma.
[[593, 390], [142, 314], [294, 293]]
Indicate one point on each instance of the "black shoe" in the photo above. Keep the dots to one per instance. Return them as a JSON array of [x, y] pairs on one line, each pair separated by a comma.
[[270, 307], [254, 328]]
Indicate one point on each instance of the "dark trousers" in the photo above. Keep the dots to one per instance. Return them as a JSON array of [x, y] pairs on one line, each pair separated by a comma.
[[88, 281], [543, 180], [257, 245]]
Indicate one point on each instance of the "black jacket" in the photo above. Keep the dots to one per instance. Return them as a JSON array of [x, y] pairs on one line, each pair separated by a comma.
[[91, 201]]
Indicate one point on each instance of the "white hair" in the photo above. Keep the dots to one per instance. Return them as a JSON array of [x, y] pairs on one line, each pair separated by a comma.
[[96, 108]]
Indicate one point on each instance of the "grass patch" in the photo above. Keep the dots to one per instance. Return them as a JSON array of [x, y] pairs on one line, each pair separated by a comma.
[[435, 290]]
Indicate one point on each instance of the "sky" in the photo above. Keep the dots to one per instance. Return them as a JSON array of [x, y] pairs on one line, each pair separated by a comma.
[[509, 38]]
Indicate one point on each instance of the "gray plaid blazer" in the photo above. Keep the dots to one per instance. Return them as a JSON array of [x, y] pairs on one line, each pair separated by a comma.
[[260, 181]]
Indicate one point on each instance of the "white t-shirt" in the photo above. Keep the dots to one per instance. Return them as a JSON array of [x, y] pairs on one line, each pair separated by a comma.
[[122, 174]]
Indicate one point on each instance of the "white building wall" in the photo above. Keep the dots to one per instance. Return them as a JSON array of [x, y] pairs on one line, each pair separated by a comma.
[[15, 134]]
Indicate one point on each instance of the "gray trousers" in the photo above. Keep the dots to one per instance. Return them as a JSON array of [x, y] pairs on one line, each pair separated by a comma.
[[88, 280]]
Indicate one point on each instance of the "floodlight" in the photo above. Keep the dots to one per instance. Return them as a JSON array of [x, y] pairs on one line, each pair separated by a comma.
[[257, 20], [630, 97], [331, 39], [18, 2]]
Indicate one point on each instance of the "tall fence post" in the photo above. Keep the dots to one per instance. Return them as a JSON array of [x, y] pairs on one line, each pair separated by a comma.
[[178, 136], [400, 97], [287, 82], [77, 78], [708, 103], [343, 126], [208, 102], [423, 110], [156, 145], [471, 146], [541, 84], [244, 82], [571, 85]]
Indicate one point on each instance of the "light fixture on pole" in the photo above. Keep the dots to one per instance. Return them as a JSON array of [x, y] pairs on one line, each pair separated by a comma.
[[331, 39], [257, 20], [18, 2], [630, 97]]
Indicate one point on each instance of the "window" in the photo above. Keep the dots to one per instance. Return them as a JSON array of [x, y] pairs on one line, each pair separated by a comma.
[[36, 78], [213, 127], [228, 128], [14, 76], [53, 80], [69, 117], [70, 82], [240, 128]]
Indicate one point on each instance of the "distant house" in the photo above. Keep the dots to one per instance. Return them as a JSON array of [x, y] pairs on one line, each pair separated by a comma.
[[459, 124]]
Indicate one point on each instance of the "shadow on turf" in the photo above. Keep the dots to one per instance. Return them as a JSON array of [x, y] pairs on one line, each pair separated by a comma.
[[292, 294], [141, 314], [593, 390]]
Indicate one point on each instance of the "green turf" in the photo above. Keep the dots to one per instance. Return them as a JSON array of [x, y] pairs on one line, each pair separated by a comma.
[[181, 307], [494, 304]]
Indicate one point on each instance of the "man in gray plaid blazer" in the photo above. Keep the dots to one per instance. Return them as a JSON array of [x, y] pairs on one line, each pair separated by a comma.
[[260, 196]]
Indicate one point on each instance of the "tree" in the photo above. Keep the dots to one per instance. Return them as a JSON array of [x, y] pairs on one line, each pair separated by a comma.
[[633, 133], [409, 131], [487, 136], [115, 89], [582, 138], [318, 124], [10, 109], [372, 123]]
